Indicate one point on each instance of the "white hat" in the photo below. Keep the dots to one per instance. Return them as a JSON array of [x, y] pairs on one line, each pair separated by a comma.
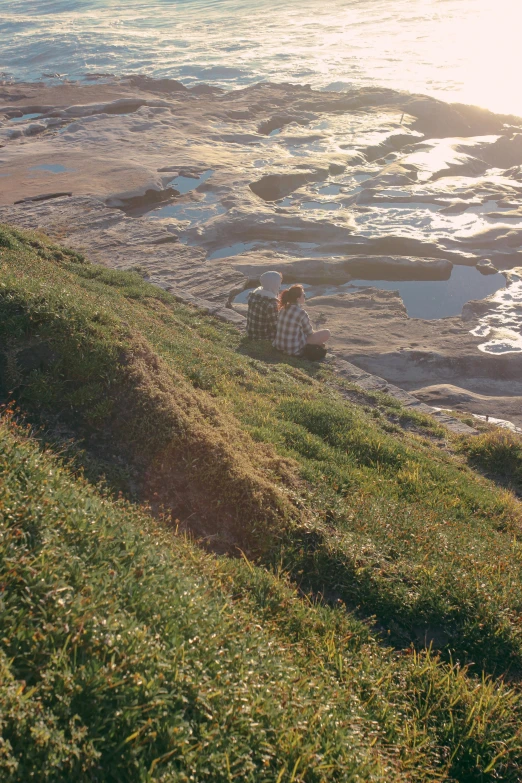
[[271, 281]]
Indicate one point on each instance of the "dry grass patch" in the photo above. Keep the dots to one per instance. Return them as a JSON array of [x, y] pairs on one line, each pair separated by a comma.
[[498, 452]]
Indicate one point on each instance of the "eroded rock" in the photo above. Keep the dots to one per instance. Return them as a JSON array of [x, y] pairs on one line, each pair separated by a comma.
[[398, 268], [505, 152], [485, 267], [273, 187], [315, 200]]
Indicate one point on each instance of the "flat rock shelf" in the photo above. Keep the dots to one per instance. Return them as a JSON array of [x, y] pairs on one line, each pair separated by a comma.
[[373, 198]]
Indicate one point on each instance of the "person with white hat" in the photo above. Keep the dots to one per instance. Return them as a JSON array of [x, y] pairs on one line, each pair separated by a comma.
[[263, 307]]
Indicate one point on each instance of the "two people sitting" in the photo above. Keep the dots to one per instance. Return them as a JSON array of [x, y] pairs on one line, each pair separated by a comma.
[[280, 317]]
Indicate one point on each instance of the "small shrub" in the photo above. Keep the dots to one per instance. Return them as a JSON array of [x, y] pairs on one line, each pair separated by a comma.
[[499, 452]]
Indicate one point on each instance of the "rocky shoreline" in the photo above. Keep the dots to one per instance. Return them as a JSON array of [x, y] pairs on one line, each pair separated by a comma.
[[202, 190]]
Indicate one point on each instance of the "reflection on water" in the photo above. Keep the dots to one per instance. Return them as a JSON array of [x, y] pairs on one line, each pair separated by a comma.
[[184, 184], [330, 190], [503, 326], [457, 50], [328, 206], [25, 117], [232, 250], [423, 299], [54, 168], [191, 212], [441, 298]]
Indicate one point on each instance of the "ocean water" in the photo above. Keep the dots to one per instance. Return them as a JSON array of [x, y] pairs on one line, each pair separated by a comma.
[[456, 50]]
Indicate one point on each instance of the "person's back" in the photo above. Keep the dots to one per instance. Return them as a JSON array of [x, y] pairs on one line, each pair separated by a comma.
[[263, 308], [294, 330]]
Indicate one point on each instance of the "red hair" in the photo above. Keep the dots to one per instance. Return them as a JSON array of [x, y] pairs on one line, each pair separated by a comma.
[[290, 296]]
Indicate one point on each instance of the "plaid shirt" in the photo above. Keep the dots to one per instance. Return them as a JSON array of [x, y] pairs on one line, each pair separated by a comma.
[[261, 317], [293, 327]]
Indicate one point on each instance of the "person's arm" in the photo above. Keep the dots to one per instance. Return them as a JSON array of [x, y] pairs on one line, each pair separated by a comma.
[[305, 323], [273, 314]]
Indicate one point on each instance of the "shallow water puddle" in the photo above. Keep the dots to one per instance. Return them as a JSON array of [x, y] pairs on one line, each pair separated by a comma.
[[232, 250], [330, 190], [184, 184], [326, 205], [25, 117], [429, 300], [194, 212], [54, 168], [436, 155], [417, 218], [435, 299]]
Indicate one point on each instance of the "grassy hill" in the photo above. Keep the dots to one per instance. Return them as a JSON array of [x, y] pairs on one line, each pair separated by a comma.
[[346, 604]]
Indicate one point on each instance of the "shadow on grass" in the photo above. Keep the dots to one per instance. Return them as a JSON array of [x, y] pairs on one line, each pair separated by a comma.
[[497, 454], [463, 632], [263, 351]]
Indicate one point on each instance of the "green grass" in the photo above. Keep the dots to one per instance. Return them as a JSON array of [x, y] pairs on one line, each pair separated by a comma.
[[331, 502], [260, 455], [130, 655], [498, 452]]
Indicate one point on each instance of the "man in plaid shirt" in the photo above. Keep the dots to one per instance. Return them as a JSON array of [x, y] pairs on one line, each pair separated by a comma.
[[263, 307]]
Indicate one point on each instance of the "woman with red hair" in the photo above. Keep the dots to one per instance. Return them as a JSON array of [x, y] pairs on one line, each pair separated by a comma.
[[294, 331]]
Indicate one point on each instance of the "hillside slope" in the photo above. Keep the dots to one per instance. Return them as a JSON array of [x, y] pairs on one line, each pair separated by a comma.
[[130, 654]]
